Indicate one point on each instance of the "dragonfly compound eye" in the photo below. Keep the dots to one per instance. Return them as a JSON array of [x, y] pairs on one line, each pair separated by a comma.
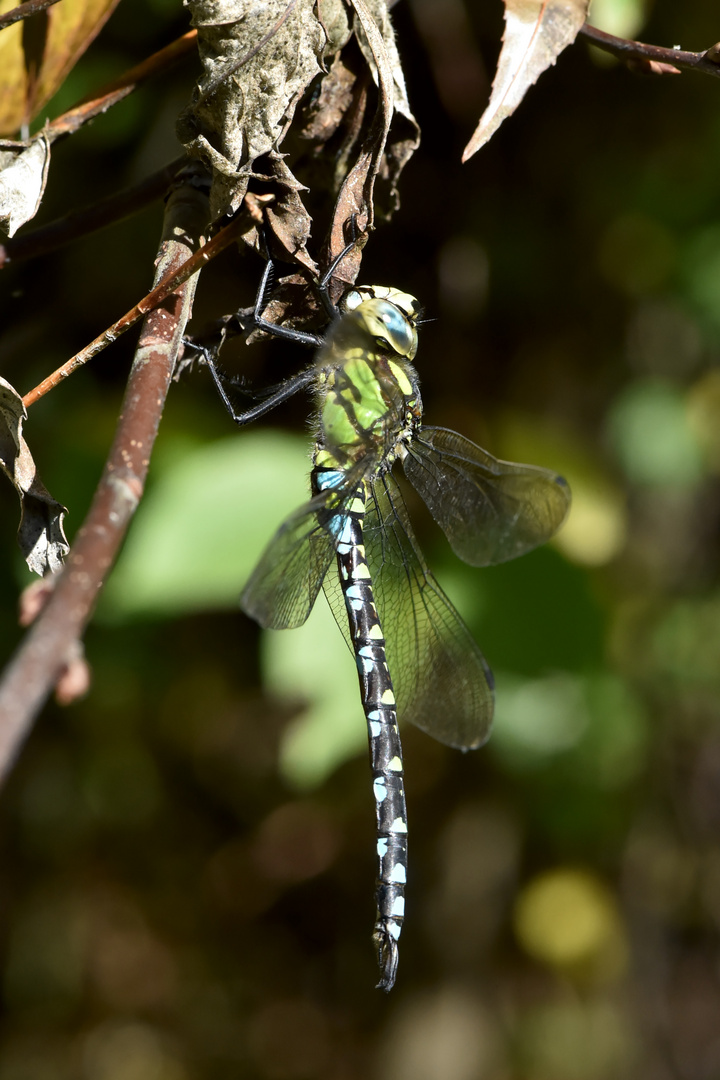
[[386, 323], [400, 332]]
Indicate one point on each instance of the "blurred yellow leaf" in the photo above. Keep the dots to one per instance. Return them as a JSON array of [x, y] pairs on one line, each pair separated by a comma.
[[536, 32], [569, 919], [27, 82]]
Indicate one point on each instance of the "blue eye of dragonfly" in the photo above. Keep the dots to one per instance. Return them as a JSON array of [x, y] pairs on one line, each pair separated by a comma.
[[400, 332]]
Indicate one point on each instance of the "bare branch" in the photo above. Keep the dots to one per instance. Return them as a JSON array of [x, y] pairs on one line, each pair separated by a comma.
[[54, 638], [24, 11], [626, 49]]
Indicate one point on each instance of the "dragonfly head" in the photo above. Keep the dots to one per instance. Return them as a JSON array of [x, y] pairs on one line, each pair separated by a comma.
[[387, 314]]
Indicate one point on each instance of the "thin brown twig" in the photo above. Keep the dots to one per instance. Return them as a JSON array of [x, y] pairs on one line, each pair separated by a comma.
[[152, 300], [24, 11], [88, 219], [626, 49], [55, 636]]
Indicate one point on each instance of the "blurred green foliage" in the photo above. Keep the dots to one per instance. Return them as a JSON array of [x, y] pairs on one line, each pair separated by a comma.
[[187, 854]]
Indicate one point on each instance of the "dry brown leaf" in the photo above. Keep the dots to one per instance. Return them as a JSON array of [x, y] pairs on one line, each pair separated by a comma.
[[378, 157], [40, 533], [536, 32], [27, 83], [287, 217], [327, 111], [258, 62], [403, 137]]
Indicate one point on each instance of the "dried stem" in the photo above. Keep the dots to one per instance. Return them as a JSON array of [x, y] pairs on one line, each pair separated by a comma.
[[55, 636], [159, 294], [655, 54]]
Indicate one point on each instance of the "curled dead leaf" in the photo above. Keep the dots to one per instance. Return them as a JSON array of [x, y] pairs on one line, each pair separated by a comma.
[[378, 157], [257, 60], [23, 175], [40, 533], [403, 134]]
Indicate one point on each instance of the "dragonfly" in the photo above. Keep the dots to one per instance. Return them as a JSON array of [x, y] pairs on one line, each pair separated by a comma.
[[416, 658]]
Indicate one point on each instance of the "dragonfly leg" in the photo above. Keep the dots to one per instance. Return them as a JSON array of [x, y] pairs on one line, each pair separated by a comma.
[[286, 332], [283, 392]]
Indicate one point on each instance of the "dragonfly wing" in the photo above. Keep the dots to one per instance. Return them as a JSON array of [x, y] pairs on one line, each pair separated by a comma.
[[442, 683], [284, 585], [490, 510]]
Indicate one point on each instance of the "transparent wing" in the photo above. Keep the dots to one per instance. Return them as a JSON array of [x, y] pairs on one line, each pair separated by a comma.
[[284, 585], [490, 510], [442, 683]]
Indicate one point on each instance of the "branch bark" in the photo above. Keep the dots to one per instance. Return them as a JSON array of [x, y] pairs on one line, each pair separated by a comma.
[[24, 11], [667, 59], [54, 639]]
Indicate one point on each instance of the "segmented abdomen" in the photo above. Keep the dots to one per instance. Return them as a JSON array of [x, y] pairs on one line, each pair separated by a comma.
[[378, 700]]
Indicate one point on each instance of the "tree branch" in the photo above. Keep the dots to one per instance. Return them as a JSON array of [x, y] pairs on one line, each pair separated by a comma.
[[24, 11], [665, 59], [55, 636]]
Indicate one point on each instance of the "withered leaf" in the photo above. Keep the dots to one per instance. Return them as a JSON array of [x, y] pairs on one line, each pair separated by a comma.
[[23, 175], [325, 113], [40, 533], [25, 86], [536, 32], [258, 60], [356, 199], [403, 137], [287, 217]]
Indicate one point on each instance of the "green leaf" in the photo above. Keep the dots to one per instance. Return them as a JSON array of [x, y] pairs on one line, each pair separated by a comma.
[[204, 523], [652, 435], [314, 662]]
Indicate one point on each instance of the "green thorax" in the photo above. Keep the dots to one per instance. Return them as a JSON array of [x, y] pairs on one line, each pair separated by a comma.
[[368, 390]]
